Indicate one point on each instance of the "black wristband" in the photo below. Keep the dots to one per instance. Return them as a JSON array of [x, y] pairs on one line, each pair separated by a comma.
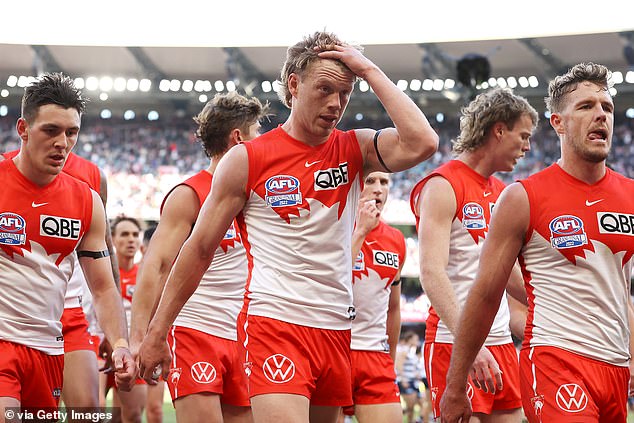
[[378, 155], [93, 254]]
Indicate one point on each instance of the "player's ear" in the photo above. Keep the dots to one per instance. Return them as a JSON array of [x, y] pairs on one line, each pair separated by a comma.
[[22, 128]]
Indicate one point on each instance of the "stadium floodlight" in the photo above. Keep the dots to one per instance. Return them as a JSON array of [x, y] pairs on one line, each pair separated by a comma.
[[428, 84], [219, 86], [231, 86], [129, 115], [188, 85], [415, 84], [12, 81], [364, 86], [145, 85], [449, 83], [440, 117], [202, 98], [79, 83], [266, 86], [402, 84], [492, 82], [164, 85], [105, 114], [617, 77], [533, 81], [103, 96], [484, 85], [132, 85], [276, 86], [511, 82], [4, 93], [4, 110], [105, 83], [438, 84], [629, 77], [199, 86], [523, 81], [501, 82], [92, 83], [152, 115], [119, 84], [629, 113], [359, 116], [175, 85], [613, 91]]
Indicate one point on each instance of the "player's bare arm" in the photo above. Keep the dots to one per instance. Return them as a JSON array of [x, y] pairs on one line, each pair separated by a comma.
[[394, 315], [95, 263], [500, 250], [226, 199], [411, 141], [177, 218]]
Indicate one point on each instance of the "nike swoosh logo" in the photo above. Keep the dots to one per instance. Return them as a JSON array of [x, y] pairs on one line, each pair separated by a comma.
[[36, 205], [309, 164], [486, 194], [592, 203], [371, 242]]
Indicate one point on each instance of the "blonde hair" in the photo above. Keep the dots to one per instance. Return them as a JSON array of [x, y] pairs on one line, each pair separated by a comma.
[[488, 108], [301, 55]]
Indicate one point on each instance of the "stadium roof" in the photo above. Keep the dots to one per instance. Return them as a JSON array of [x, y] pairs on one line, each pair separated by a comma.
[[515, 44]]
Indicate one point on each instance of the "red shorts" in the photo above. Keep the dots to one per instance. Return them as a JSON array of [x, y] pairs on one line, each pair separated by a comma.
[[30, 376], [287, 358], [373, 378], [203, 363], [75, 330], [561, 386], [437, 357]]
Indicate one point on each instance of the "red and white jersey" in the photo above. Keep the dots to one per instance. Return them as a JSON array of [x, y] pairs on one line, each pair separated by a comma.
[[297, 228], [214, 306], [475, 198], [577, 261], [40, 228], [86, 171], [127, 280], [373, 272]]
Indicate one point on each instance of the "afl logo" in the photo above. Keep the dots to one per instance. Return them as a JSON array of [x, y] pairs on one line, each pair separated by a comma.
[[12, 229], [282, 191], [473, 216], [567, 232]]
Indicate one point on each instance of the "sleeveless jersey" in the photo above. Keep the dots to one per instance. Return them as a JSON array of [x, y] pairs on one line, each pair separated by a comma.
[[373, 272], [40, 228], [297, 228], [475, 198], [128, 286], [214, 306], [86, 171], [577, 263]]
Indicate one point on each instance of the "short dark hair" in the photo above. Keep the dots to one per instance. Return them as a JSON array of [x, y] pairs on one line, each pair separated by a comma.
[[562, 85], [51, 88], [223, 114], [123, 218], [147, 234]]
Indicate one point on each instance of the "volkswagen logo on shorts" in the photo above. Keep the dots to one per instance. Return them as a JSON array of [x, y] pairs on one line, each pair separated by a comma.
[[278, 368], [571, 398], [203, 372], [470, 391]]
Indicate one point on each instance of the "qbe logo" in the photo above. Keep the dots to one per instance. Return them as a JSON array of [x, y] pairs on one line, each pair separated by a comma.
[[328, 179], [385, 258], [473, 216], [278, 368], [571, 398], [59, 227], [567, 232], [12, 229], [282, 191], [203, 372], [616, 223]]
